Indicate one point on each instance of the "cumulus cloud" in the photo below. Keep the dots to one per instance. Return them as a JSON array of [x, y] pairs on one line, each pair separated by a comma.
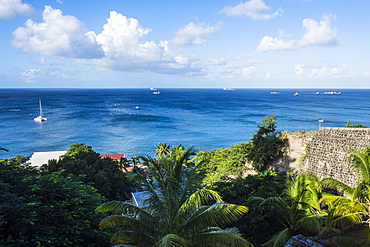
[[194, 33], [12, 8], [120, 46], [57, 35], [269, 44], [254, 9], [319, 33], [122, 41]]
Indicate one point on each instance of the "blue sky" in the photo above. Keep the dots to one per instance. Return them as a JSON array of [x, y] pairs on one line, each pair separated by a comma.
[[185, 44]]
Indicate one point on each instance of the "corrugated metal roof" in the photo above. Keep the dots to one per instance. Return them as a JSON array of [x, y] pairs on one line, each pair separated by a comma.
[[113, 156]]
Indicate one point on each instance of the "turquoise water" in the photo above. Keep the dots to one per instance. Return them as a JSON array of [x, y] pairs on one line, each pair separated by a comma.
[[206, 118]]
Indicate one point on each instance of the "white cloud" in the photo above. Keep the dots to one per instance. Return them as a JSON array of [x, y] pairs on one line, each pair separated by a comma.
[[248, 72], [254, 9], [194, 33], [316, 34], [30, 75], [12, 8], [57, 35], [120, 46], [269, 44], [340, 72], [328, 71], [319, 33], [299, 70]]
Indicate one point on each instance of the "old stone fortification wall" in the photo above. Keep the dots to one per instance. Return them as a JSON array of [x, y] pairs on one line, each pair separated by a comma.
[[293, 152], [329, 149]]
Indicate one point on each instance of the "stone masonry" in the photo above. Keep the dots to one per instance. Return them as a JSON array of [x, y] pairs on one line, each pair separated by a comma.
[[329, 150]]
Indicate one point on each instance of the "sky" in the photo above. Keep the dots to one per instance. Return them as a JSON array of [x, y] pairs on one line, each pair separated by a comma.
[[185, 44]]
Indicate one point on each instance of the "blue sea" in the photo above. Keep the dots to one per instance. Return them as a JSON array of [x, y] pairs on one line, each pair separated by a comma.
[[132, 121]]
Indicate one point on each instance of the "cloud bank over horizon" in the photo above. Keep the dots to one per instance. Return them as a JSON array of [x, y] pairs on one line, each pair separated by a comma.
[[236, 46]]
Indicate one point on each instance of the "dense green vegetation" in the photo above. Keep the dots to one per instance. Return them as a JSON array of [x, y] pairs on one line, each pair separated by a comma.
[[176, 212], [46, 209], [85, 165], [224, 197], [349, 124]]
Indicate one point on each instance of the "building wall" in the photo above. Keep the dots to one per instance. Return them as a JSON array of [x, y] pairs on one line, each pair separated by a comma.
[[329, 150]]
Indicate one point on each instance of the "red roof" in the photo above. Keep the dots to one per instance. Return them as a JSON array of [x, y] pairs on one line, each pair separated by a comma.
[[112, 156]]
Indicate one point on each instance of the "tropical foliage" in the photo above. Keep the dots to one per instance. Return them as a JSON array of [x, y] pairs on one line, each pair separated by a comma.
[[46, 209], [106, 175], [176, 212], [223, 164], [349, 124], [260, 222], [296, 210], [266, 144]]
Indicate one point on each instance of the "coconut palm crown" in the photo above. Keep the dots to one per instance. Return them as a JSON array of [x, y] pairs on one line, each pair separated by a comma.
[[176, 212]]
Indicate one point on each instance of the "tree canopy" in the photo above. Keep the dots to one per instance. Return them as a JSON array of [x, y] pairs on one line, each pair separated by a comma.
[[175, 212], [106, 175], [46, 209], [266, 144]]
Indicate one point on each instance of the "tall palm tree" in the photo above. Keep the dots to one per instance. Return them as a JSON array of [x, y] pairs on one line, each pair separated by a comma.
[[296, 209], [175, 213], [162, 149]]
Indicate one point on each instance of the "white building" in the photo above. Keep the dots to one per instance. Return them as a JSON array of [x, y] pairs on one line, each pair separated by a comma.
[[40, 158]]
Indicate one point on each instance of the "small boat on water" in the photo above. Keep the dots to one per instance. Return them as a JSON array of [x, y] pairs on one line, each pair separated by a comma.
[[296, 94], [332, 92], [40, 118], [229, 89], [275, 93], [157, 92], [317, 93], [153, 89]]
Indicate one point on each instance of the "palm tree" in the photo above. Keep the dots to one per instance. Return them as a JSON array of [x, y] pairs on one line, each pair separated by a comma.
[[361, 192], [162, 149], [348, 210], [175, 213], [297, 210]]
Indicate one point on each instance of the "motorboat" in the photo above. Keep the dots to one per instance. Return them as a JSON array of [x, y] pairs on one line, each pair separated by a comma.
[[296, 94]]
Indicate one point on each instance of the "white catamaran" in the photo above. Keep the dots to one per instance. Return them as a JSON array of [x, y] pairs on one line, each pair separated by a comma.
[[41, 117]]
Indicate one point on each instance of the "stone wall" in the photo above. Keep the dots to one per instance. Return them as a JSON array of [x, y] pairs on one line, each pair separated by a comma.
[[293, 152], [329, 149]]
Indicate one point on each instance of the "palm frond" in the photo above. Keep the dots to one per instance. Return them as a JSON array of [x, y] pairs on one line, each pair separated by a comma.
[[311, 224], [199, 198], [172, 240], [217, 215], [119, 221], [227, 237], [339, 186], [129, 210], [133, 238], [360, 161], [280, 239], [345, 221]]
